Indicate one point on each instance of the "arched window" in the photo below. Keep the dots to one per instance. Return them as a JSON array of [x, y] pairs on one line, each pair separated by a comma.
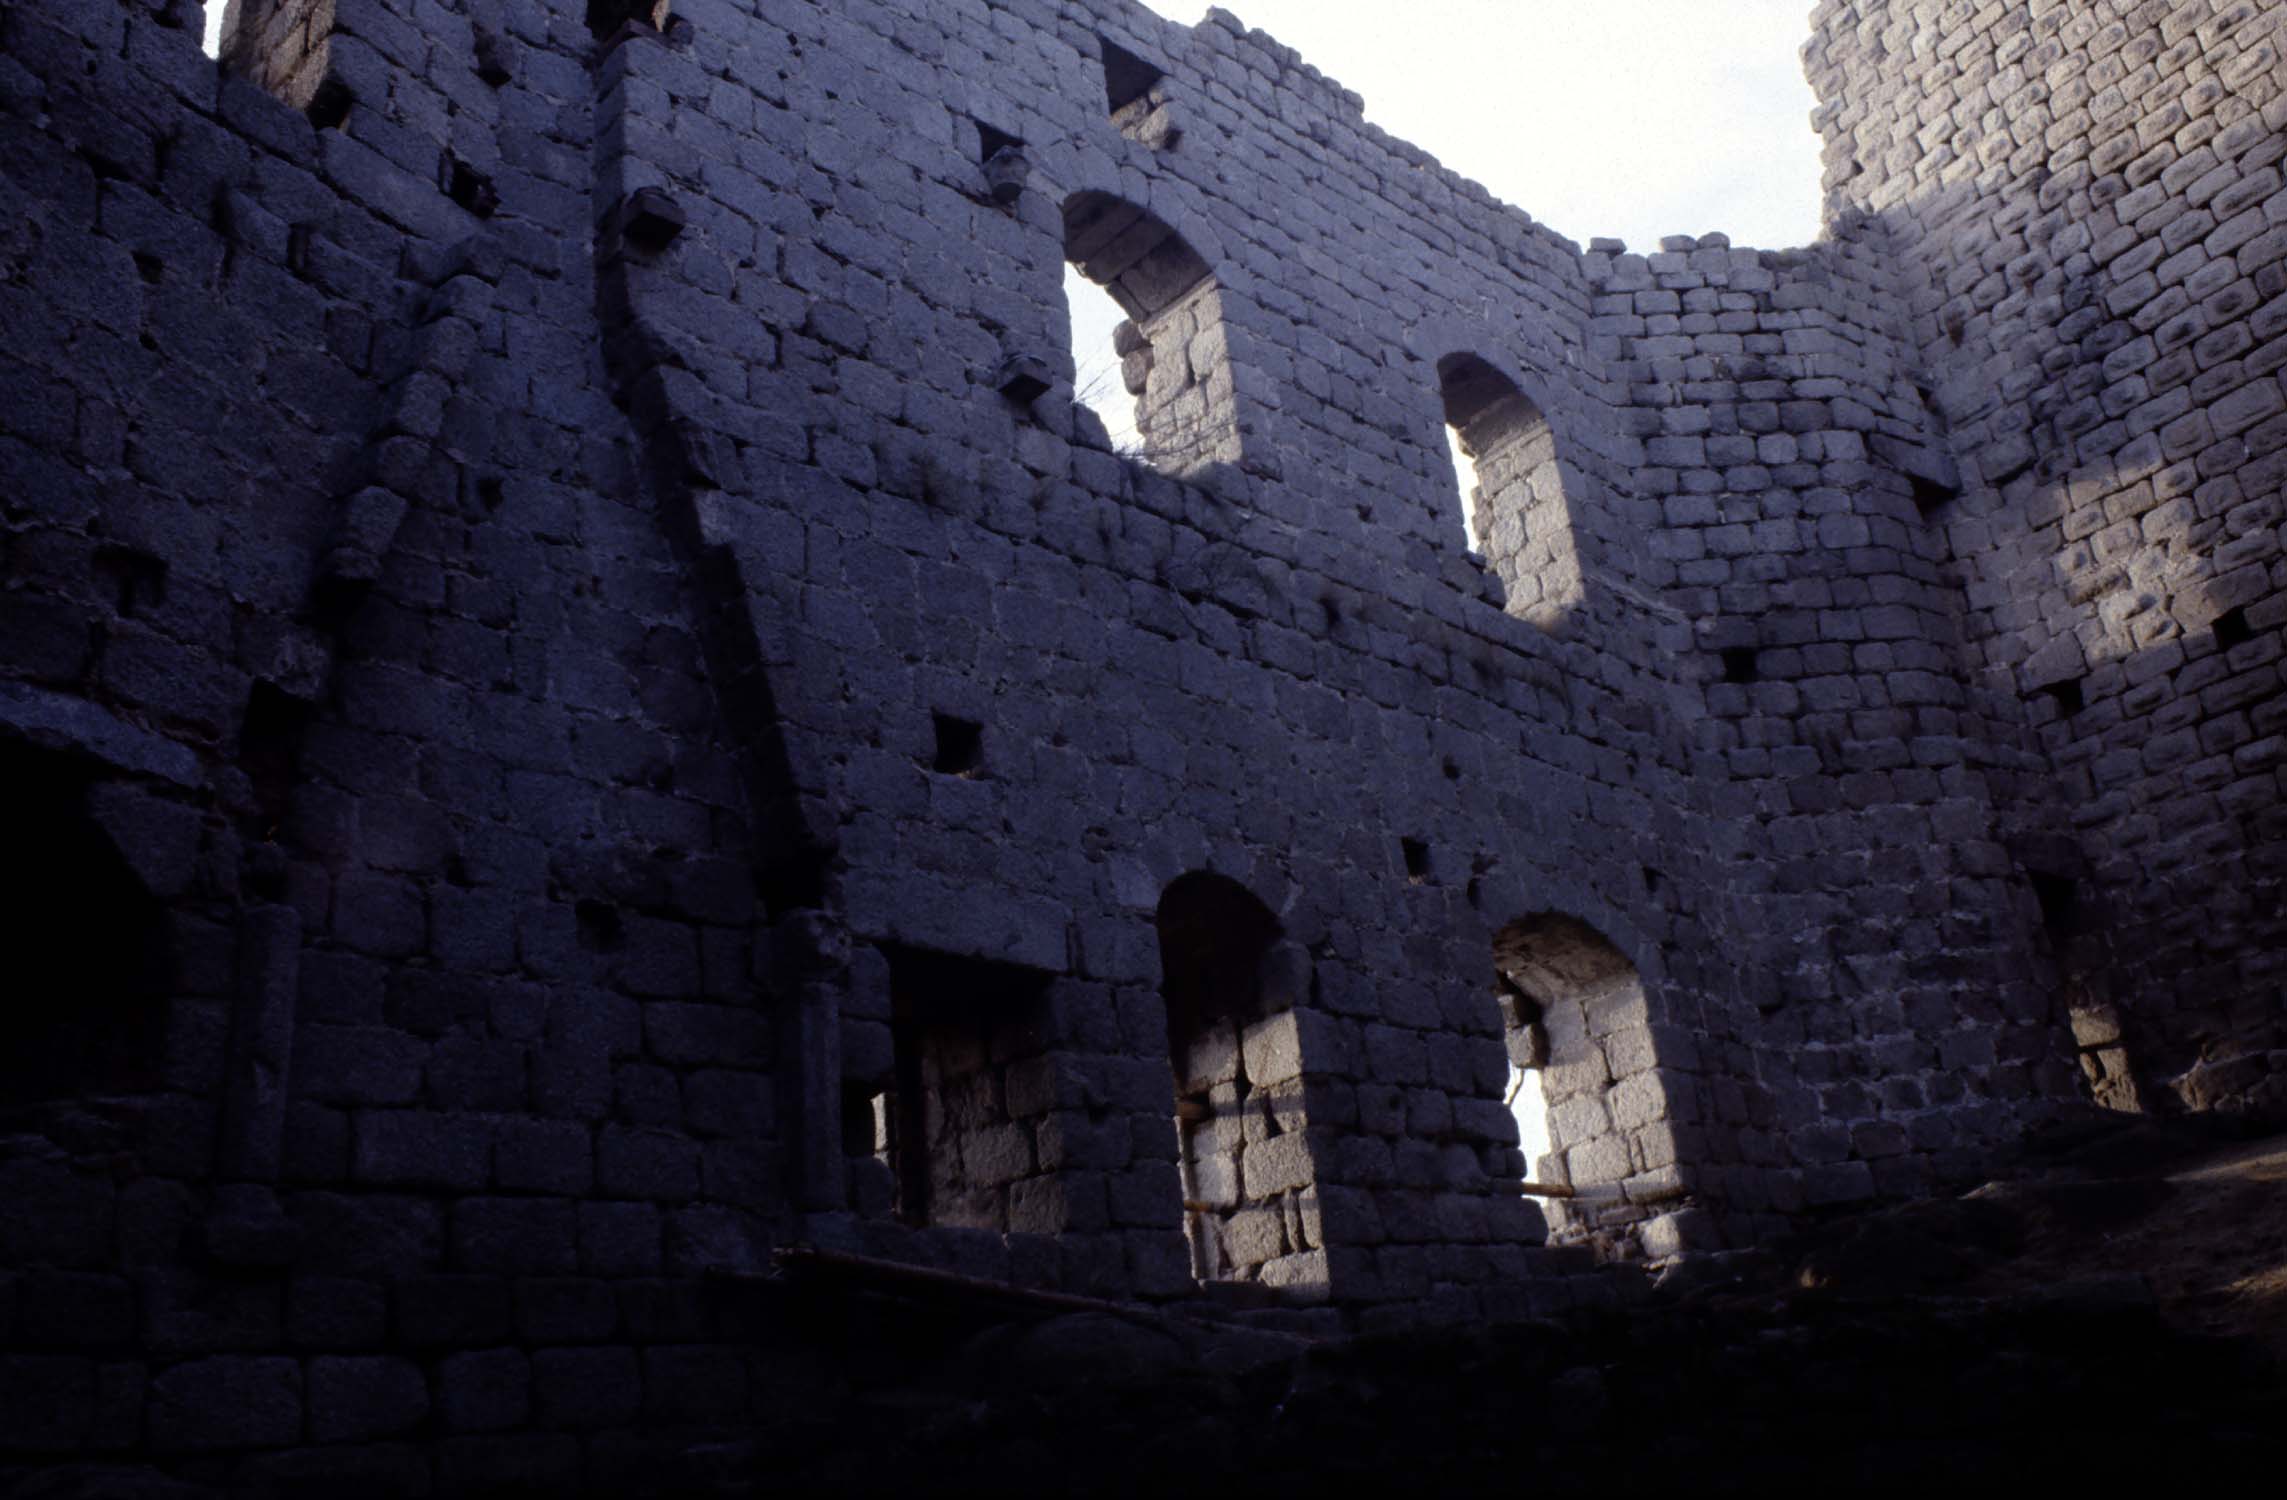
[[1173, 356], [1580, 1033], [1249, 1210], [1513, 500]]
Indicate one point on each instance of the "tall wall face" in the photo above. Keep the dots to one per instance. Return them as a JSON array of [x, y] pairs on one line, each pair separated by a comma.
[[1892, 1005], [2086, 212], [333, 604], [556, 583]]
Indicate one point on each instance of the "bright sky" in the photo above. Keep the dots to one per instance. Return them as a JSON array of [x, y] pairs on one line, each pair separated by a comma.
[[1626, 118], [1630, 118]]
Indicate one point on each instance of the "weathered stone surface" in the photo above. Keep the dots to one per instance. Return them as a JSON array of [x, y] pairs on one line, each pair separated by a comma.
[[589, 737]]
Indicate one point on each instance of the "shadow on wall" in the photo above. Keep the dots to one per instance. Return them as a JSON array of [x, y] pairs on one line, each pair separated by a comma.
[[83, 1012], [2119, 538]]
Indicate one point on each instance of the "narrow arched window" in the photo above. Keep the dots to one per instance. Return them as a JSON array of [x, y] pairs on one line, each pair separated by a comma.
[[1170, 357], [1249, 1209], [1580, 1037], [1514, 506]]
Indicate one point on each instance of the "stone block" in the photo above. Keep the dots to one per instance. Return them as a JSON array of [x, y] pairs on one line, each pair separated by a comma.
[[355, 1399], [226, 1402], [488, 1390], [586, 1388]]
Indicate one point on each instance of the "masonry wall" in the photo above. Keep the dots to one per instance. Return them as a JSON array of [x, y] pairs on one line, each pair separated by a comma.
[[566, 567], [327, 573], [1889, 1020], [2085, 212]]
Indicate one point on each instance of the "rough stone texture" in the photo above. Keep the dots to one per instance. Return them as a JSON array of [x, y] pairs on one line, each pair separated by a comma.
[[2084, 207], [547, 571]]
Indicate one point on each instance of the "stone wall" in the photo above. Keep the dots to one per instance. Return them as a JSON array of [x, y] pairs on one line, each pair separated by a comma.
[[554, 574], [2083, 203]]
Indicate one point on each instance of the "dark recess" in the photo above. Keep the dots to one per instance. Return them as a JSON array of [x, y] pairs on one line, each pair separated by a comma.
[[991, 142], [2067, 695], [1929, 495], [1127, 77], [2060, 901], [83, 1010], [960, 746]]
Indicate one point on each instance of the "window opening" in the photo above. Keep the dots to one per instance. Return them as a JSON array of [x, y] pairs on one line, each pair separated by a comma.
[[138, 580], [1249, 1208], [281, 47], [1741, 664], [1578, 1029], [84, 1009], [1931, 496], [1512, 488], [468, 187], [960, 747], [1137, 96], [1172, 348], [2232, 629], [1128, 79], [1527, 1100], [992, 141], [950, 1136], [1472, 487], [606, 17], [1101, 379], [1527, 1094]]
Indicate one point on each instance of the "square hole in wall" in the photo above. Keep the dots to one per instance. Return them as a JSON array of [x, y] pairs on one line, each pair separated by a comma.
[[1741, 664], [2067, 695], [1929, 495], [1135, 92], [606, 17], [1417, 860], [2232, 629], [138, 580], [992, 141], [1127, 77], [960, 746]]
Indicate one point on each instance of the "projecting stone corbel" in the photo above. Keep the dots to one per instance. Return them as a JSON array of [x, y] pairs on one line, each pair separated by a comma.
[[650, 219]]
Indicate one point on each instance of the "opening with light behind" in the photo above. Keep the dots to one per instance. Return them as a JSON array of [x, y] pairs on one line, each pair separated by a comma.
[[1250, 1210], [1173, 351], [1098, 382], [1512, 487], [948, 1135], [1591, 1106]]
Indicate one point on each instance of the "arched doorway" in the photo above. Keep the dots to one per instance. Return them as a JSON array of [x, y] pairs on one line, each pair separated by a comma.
[[1579, 1032], [1250, 1212]]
